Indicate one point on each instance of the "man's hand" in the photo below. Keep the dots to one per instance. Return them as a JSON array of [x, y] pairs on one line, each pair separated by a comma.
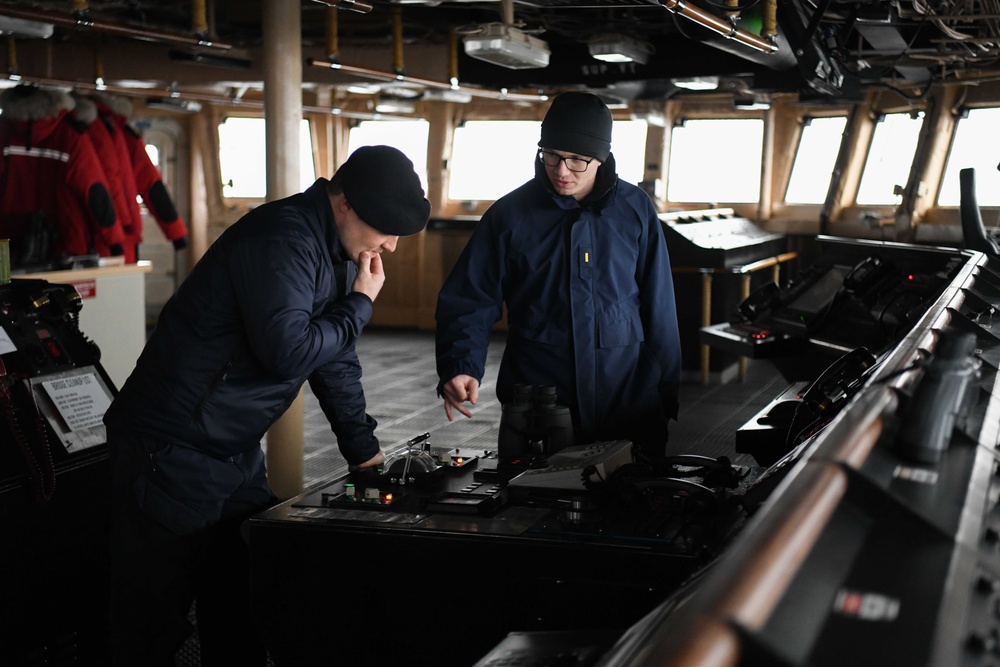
[[456, 391], [374, 461], [371, 276]]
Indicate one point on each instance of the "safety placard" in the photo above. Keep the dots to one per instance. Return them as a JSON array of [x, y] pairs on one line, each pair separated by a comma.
[[80, 399]]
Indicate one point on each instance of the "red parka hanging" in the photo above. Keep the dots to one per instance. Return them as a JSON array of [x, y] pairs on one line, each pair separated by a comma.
[[50, 179]]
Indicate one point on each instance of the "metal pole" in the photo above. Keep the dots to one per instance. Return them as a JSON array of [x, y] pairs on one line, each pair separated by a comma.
[[282, 116]]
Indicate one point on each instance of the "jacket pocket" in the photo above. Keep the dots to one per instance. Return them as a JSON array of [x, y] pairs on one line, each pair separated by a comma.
[[159, 504], [618, 328], [184, 489]]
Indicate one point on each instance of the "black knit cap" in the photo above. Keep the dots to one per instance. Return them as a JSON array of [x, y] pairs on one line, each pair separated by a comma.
[[382, 188], [578, 123]]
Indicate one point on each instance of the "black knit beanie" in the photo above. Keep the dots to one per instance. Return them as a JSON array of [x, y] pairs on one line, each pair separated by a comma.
[[382, 188], [578, 123]]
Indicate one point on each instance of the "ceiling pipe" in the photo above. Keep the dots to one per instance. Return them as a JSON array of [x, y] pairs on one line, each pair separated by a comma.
[[12, 59], [82, 19], [199, 20], [720, 26], [453, 57], [191, 96], [381, 75], [332, 38], [397, 41], [348, 5]]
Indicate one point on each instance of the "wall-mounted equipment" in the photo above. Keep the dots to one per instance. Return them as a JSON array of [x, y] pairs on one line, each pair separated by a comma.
[[507, 46], [619, 49]]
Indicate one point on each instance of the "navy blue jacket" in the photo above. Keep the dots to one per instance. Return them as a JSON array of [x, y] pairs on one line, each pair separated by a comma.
[[267, 307], [590, 304]]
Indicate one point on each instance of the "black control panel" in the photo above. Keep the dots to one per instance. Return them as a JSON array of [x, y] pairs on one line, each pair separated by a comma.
[[850, 296], [591, 540], [717, 238]]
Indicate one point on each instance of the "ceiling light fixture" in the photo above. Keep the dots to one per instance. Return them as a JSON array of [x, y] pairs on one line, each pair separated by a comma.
[[25, 28], [619, 49], [507, 46], [697, 82]]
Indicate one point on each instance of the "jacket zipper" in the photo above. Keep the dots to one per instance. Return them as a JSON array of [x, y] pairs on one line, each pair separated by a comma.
[[219, 378]]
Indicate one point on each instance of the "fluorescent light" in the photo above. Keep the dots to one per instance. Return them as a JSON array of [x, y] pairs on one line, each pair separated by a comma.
[[395, 106], [447, 95], [697, 82], [25, 28], [619, 49], [507, 46]]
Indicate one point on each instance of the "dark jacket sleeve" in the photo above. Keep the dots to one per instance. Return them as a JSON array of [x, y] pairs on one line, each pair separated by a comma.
[[337, 386], [277, 284], [659, 312], [275, 281], [469, 303]]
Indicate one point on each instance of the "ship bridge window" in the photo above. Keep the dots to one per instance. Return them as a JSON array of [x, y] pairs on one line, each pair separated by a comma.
[[968, 150], [409, 136], [492, 157], [489, 158], [815, 160], [242, 160], [715, 160], [889, 159]]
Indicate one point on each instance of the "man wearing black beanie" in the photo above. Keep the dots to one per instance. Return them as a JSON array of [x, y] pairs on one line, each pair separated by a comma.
[[280, 298], [579, 260]]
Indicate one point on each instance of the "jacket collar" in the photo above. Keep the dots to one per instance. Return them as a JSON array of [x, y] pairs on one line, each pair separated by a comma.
[[317, 196], [604, 185], [344, 269]]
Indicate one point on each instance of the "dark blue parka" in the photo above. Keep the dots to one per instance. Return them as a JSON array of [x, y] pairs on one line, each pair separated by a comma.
[[590, 305], [268, 307]]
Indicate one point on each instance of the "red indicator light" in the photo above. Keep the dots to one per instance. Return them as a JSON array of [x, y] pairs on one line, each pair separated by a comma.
[[387, 498]]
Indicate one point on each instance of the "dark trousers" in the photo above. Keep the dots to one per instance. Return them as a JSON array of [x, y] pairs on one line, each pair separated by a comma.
[[157, 574]]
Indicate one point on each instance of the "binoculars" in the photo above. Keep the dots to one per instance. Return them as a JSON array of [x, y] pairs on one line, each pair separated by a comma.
[[533, 424]]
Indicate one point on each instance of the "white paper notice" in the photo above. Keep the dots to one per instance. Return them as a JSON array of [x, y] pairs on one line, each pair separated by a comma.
[[81, 400], [6, 344]]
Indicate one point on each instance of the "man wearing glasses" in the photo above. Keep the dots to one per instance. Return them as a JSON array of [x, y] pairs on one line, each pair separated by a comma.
[[579, 259]]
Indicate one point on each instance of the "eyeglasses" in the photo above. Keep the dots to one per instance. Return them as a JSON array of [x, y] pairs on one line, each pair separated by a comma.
[[572, 163]]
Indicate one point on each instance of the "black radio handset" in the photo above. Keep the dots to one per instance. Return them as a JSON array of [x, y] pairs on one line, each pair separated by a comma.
[[834, 384]]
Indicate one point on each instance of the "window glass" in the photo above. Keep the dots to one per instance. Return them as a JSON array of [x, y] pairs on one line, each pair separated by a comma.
[[715, 160], [815, 160], [491, 158], [889, 159], [409, 136], [628, 143], [154, 154], [967, 151], [242, 158]]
